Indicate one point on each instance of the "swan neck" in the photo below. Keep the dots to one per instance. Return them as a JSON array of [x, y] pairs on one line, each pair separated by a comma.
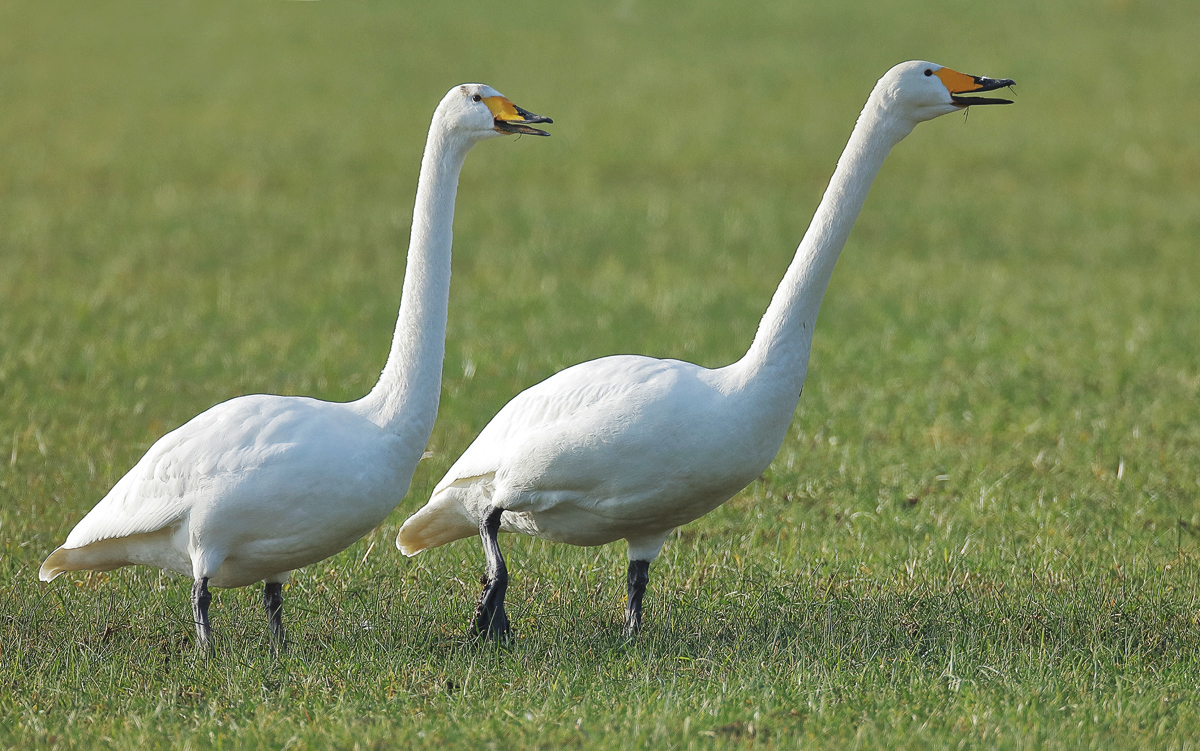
[[784, 336], [405, 399]]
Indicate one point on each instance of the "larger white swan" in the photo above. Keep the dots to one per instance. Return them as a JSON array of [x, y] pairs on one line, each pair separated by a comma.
[[631, 447], [260, 485]]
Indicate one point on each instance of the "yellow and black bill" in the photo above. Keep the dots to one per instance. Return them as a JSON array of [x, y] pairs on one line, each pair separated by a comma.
[[960, 83], [509, 118]]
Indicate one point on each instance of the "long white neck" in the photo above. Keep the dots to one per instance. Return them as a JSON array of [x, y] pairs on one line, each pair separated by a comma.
[[405, 400], [781, 346]]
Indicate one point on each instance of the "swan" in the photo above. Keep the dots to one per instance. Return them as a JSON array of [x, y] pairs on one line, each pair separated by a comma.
[[630, 447], [260, 485]]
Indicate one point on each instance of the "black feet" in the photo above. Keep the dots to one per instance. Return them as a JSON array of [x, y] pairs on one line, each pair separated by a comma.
[[636, 581], [200, 600], [273, 604], [490, 618]]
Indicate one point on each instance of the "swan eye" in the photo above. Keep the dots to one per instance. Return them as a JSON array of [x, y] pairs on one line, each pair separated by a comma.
[[476, 98], [928, 72]]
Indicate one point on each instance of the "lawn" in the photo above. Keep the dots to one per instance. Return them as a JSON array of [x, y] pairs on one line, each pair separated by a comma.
[[982, 530]]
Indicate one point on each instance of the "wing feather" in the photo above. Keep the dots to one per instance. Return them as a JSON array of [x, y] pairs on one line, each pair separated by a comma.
[[562, 398], [195, 463]]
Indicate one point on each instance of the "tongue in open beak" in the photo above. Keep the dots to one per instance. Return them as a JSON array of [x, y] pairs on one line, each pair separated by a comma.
[[509, 118]]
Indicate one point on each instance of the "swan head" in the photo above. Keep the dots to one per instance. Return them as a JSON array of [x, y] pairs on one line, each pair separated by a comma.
[[919, 90], [476, 111]]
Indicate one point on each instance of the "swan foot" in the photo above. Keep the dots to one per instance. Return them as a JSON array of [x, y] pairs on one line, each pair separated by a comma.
[[200, 600], [490, 619], [636, 581], [273, 604]]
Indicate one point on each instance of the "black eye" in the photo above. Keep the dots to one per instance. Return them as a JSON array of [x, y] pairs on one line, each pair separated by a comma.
[[478, 98], [928, 72]]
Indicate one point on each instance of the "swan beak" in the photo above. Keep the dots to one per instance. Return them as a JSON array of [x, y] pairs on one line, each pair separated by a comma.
[[960, 83], [509, 118]]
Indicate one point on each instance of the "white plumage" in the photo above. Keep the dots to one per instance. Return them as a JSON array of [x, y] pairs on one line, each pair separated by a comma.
[[260, 485], [624, 447], [246, 491], [631, 447]]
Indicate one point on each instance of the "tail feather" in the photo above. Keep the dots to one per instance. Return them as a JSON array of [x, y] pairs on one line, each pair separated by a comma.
[[54, 565], [154, 549], [95, 557], [441, 521]]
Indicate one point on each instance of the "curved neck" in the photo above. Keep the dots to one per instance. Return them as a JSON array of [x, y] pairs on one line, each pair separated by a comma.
[[784, 335], [405, 400]]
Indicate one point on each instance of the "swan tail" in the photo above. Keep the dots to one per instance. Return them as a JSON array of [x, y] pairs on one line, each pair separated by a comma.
[[151, 548], [55, 564], [99, 556], [443, 520]]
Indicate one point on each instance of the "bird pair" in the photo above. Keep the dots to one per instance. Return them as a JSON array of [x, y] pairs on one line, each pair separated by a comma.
[[624, 447]]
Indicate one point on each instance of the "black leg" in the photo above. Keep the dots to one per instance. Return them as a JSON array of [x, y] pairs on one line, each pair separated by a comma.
[[273, 603], [636, 581], [490, 619], [200, 600]]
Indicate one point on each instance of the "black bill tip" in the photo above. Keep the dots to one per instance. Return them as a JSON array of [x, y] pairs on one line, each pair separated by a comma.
[[522, 126], [983, 83]]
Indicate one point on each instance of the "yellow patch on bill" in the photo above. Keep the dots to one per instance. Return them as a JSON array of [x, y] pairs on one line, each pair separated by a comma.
[[502, 109], [955, 82]]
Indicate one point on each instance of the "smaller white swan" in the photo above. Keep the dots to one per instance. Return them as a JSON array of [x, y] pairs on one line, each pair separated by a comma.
[[631, 447], [260, 485]]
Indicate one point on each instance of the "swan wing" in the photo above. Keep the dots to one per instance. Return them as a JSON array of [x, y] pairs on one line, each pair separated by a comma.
[[579, 393], [266, 453], [153, 494], [606, 449], [527, 431]]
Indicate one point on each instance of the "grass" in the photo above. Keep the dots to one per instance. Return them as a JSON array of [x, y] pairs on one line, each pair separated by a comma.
[[981, 530]]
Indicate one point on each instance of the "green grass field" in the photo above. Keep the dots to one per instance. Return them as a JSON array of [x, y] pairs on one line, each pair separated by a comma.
[[983, 528]]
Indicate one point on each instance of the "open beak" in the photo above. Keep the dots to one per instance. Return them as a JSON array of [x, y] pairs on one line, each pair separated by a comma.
[[509, 118], [960, 83]]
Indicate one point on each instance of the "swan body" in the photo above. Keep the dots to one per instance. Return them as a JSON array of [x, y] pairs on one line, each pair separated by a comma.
[[630, 447], [289, 481], [260, 485], [624, 447]]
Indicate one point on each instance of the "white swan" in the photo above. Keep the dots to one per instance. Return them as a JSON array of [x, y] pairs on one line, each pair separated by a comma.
[[260, 485], [632, 447]]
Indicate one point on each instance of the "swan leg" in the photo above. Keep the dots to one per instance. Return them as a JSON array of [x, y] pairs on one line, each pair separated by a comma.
[[636, 581], [490, 618], [273, 604], [200, 600]]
